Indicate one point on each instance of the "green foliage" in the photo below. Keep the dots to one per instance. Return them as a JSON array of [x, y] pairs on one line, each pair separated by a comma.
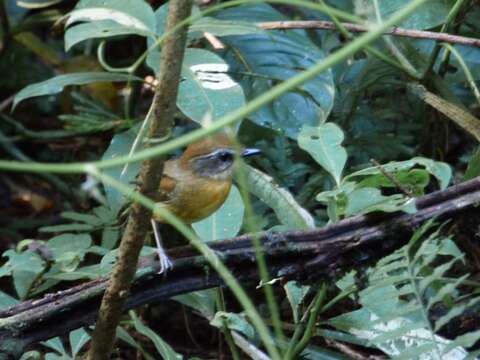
[[324, 144], [77, 339], [259, 61], [165, 351], [429, 15], [403, 291], [57, 83], [225, 222], [312, 171], [208, 91]]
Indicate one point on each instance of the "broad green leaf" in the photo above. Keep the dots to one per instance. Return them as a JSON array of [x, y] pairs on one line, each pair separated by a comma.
[[25, 267], [414, 181], [261, 60], [119, 146], [67, 227], [55, 344], [288, 211], [133, 14], [224, 27], [78, 338], [69, 249], [105, 214], [233, 321], [37, 4], [91, 272], [340, 192], [7, 300], [428, 15], [80, 217], [110, 237], [440, 170], [319, 353], [97, 30], [202, 301], [365, 200], [225, 222], [57, 83], [162, 347], [295, 295], [324, 144], [473, 168], [207, 91]]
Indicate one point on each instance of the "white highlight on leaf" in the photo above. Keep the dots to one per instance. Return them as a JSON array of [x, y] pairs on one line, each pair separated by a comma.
[[96, 14], [213, 76], [411, 339]]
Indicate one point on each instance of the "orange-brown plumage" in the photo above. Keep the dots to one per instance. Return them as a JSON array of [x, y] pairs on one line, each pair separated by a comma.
[[197, 183]]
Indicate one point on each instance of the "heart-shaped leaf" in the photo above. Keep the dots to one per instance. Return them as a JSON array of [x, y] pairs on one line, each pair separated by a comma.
[[324, 144]]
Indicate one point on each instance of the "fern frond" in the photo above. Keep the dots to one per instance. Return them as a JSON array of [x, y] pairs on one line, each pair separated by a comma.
[[404, 288]]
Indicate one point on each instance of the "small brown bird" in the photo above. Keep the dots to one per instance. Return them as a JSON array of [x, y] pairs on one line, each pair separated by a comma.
[[197, 183]]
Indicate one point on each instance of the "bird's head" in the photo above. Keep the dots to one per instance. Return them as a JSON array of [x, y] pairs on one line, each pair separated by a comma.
[[213, 157]]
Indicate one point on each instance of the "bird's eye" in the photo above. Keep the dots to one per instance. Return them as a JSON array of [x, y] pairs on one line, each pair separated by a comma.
[[225, 156]]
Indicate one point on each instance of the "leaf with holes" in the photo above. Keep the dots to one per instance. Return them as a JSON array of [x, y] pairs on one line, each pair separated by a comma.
[[324, 144]]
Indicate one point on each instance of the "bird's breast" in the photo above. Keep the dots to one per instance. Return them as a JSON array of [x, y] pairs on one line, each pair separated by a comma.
[[195, 200]]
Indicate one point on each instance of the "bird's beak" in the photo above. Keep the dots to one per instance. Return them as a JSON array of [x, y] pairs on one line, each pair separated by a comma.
[[250, 152]]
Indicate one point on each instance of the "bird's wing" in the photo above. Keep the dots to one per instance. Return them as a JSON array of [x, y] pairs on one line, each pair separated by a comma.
[[168, 182]]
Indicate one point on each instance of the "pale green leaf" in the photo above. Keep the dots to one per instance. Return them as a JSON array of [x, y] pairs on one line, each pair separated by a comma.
[[134, 14], [365, 200], [295, 295], [97, 30], [236, 322], [56, 84], [225, 222], [440, 170], [324, 144], [288, 211]]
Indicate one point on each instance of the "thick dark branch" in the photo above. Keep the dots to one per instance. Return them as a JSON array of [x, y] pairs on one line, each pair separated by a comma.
[[304, 255], [328, 25]]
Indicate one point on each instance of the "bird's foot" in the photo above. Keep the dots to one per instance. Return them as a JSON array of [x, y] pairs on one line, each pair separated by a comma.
[[165, 262]]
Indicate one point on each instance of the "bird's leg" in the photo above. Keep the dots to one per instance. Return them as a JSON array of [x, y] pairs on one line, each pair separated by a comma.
[[165, 262]]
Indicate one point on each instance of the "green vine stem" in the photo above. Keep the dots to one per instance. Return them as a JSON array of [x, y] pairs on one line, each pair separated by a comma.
[[450, 18]]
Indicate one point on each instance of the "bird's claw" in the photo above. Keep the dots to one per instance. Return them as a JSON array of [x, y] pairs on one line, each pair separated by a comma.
[[165, 263]]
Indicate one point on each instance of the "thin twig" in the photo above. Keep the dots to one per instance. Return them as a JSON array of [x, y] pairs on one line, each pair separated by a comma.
[[397, 31], [392, 179]]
